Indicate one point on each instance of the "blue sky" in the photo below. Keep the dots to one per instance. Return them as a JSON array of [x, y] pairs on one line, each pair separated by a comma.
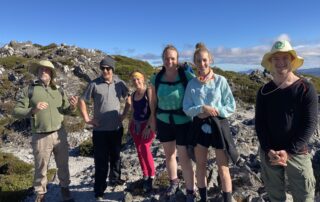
[[238, 33]]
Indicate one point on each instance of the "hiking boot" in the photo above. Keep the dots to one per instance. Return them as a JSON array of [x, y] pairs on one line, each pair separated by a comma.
[[39, 198], [172, 189], [65, 194], [191, 198], [147, 185], [114, 183]]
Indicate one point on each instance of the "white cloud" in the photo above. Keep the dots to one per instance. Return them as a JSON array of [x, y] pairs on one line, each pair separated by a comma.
[[245, 57]]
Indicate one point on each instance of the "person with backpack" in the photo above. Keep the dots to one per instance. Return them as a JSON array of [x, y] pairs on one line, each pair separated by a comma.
[[46, 105], [106, 92], [168, 88], [285, 119], [142, 127], [209, 100]]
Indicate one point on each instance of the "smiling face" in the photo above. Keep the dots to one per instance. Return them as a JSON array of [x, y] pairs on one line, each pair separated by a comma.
[[170, 59], [281, 62], [138, 81], [45, 75], [203, 61]]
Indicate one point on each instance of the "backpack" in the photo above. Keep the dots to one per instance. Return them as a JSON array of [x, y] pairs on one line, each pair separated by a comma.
[[183, 79]]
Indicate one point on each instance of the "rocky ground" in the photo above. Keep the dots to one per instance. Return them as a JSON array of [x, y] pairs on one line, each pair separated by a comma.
[[246, 175]]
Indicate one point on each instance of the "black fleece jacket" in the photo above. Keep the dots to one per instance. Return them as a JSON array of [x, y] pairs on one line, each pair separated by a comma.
[[286, 118]]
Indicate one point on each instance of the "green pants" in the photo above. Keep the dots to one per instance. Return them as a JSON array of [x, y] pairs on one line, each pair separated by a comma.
[[299, 174]]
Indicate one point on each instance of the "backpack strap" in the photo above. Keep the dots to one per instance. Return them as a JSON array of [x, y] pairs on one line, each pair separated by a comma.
[[31, 89], [158, 78], [182, 78]]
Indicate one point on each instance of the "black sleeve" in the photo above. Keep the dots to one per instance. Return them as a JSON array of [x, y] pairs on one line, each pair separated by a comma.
[[260, 123], [309, 120]]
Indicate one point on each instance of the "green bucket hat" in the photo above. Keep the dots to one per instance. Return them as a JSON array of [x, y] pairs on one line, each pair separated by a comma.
[[42, 63]]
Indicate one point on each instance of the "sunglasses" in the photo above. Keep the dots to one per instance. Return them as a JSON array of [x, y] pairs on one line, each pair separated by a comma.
[[105, 68]]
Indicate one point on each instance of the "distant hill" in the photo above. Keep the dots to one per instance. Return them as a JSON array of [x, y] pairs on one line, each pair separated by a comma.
[[311, 71]]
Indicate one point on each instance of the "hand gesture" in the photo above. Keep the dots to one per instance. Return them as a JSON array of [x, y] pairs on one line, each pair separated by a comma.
[[73, 100], [40, 106]]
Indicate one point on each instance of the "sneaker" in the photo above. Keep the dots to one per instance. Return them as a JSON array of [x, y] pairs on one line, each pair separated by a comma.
[[116, 182], [39, 198], [172, 189], [191, 198]]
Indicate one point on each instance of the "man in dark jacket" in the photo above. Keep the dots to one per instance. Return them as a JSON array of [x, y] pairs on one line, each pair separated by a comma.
[[286, 118]]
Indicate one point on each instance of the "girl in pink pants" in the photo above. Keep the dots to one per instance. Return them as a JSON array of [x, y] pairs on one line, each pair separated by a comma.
[[142, 127]]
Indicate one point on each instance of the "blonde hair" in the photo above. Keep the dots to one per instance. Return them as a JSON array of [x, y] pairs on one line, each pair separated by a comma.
[[200, 47], [169, 47], [137, 72]]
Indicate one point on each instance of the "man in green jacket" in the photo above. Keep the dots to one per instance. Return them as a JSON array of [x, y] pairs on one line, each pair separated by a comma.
[[46, 105]]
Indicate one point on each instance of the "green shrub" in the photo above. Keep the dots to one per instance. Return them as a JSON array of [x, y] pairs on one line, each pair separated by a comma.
[[37, 45], [245, 88], [16, 177], [48, 47], [125, 66], [10, 164], [86, 148], [12, 61], [66, 62], [73, 124]]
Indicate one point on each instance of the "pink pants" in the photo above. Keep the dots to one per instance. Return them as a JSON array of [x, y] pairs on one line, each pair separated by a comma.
[[143, 147]]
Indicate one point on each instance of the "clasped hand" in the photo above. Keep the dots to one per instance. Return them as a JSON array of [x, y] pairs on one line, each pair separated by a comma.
[[278, 157]]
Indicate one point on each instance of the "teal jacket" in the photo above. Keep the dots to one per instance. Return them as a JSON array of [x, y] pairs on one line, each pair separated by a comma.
[[46, 120]]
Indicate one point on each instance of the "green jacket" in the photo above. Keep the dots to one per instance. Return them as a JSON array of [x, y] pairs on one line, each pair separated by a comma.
[[46, 120]]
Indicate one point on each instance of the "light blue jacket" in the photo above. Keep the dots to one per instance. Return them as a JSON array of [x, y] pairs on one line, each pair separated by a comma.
[[215, 93]]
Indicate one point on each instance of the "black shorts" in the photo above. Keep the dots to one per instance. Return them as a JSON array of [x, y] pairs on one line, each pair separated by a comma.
[[204, 137], [178, 132]]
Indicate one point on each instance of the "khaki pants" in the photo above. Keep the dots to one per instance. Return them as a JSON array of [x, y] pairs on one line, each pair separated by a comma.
[[43, 146], [300, 177]]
